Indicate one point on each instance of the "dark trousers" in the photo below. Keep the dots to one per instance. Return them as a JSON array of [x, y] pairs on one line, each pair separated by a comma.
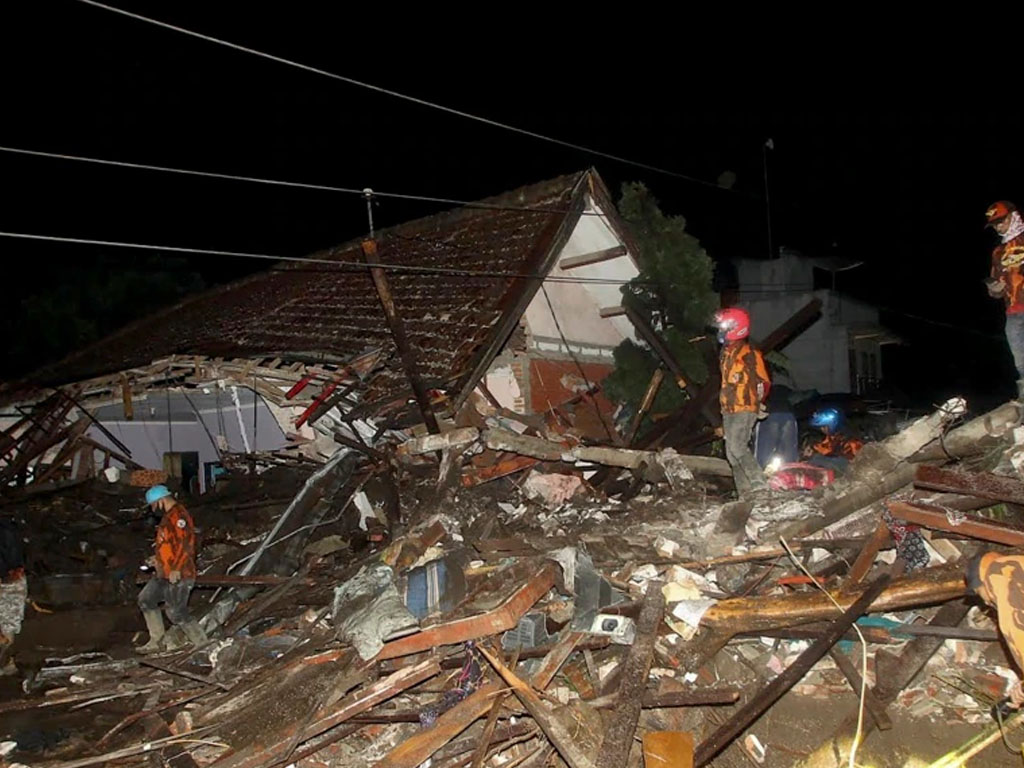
[[173, 596]]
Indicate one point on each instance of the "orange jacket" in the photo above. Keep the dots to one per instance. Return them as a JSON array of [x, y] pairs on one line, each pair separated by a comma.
[[837, 445], [1008, 265], [745, 380], [176, 544], [1003, 578]]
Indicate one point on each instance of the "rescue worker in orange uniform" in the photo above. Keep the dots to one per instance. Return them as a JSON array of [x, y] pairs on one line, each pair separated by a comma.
[[835, 450], [174, 559], [745, 387], [1006, 280], [998, 579]]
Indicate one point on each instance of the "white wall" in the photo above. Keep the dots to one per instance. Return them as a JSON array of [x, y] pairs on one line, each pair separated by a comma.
[[819, 357], [149, 434], [577, 305]]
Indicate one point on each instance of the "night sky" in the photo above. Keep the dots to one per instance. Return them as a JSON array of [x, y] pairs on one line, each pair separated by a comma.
[[891, 162]]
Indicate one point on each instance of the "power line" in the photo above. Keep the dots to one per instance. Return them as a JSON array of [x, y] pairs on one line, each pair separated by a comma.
[[352, 265], [405, 97], [284, 183]]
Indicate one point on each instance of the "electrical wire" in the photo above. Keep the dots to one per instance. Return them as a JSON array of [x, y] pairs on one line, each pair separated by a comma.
[[351, 265], [294, 184], [864, 654], [406, 97]]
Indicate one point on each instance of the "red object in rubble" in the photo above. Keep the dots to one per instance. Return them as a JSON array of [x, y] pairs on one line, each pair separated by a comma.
[[800, 477]]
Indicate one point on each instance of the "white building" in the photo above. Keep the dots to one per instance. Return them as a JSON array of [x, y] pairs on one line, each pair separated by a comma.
[[842, 350]]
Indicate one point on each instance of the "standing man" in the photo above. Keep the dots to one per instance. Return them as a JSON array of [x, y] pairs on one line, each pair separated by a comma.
[[745, 386], [175, 562], [1006, 280]]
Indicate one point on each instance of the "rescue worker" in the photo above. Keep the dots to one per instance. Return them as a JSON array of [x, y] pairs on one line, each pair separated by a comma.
[[745, 387], [13, 591], [835, 450], [998, 579], [175, 562], [1006, 280]]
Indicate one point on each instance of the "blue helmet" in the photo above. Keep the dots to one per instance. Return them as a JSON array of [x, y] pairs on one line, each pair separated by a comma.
[[157, 492], [826, 418]]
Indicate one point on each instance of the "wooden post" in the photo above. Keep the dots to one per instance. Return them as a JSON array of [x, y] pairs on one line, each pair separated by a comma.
[[387, 302], [772, 692], [618, 737], [645, 405], [126, 397]]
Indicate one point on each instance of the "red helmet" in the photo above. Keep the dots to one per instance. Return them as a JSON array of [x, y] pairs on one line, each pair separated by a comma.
[[998, 211], [733, 324]]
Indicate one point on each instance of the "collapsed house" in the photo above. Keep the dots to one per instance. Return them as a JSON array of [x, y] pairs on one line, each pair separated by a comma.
[[429, 545]]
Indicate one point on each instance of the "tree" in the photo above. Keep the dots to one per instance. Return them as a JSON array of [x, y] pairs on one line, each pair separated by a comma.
[[672, 292]]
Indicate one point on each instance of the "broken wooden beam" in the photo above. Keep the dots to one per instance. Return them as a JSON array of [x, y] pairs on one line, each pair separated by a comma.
[[256, 755], [645, 404], [618, 737], [500, 619], [475, 476], [700, 697], [742, 614], [455, 438], [833, 753], [972, 525], [979, 435], [507, 441], [594, 257], [796, 324], [874, 707], [421, 745], [558, 732], [866, 556], [387, 302], [983, 485], [660, 349], [772, 692]]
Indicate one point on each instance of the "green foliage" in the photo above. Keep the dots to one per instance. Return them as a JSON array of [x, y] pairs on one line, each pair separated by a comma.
[[673, 292]]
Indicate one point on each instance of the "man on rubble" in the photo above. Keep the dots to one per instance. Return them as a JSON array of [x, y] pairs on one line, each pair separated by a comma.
[[836, 449], [174, 559], [998, 579], [745, 387], [1006, 280]]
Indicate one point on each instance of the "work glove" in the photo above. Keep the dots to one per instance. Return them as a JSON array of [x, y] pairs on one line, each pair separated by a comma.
[[762, 412], [174, 577], [996, 288]]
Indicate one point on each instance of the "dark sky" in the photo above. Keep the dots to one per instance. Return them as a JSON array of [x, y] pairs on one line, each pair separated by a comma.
[[886, 159]]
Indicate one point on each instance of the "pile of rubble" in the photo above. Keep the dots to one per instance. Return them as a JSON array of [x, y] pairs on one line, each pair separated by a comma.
[[505, 593]]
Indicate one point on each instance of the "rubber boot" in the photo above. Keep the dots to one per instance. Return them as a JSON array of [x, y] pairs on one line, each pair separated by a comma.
[[195, 633], [155, 624]]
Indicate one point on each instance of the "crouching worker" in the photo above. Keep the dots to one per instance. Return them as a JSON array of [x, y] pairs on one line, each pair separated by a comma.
[[175, 562], [998, 579]]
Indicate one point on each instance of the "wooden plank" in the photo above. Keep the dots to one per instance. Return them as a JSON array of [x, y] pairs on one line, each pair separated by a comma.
[[866, 557], [671, 699], [420, 746], [984, 485], [874, 707], [973, 526], [668, 749], [618, 736], [743, 614], [661, 350], [501, 619], [555, 659], [594, 257], [772, 692], [616, 311], [561, 736], [406, 353]]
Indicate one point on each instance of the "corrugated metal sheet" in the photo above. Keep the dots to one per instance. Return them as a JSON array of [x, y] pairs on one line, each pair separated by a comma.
[[301, 309]]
